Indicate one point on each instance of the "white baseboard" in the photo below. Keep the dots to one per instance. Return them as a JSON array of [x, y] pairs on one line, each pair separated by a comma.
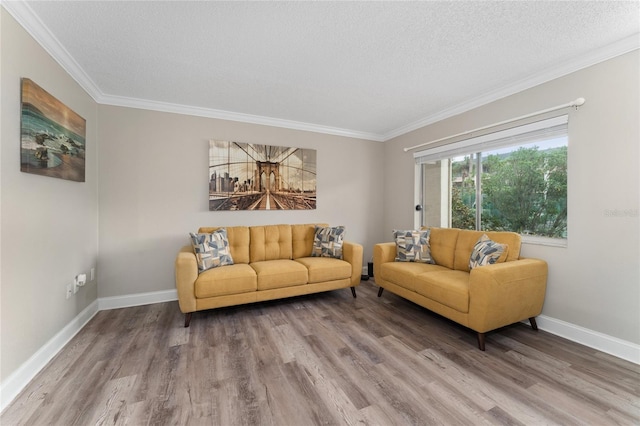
[[612, 345], [116, 302], [13, 385], [19, 379]]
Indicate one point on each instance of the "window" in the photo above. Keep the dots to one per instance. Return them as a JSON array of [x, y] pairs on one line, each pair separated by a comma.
[[511, 180]]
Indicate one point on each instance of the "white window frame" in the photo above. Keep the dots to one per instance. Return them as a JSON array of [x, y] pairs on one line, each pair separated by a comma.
[[513, 136]]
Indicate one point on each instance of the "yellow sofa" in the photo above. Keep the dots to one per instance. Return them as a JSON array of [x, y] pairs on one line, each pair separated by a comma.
[[484, 298], [269, 262]]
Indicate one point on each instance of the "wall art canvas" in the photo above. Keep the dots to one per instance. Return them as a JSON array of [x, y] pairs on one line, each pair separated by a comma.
[[52, 136], [244, 176]]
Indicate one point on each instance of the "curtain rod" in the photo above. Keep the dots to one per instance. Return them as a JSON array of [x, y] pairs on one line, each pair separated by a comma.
[[578, 102]]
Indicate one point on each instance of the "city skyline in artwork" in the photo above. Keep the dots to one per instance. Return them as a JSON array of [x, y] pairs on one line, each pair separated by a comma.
[[245, 176]]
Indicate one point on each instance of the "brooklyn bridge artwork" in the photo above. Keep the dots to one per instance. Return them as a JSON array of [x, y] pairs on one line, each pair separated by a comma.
[[246, 176]]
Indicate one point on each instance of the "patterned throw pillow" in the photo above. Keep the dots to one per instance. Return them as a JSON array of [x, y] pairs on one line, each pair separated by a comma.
[[211, 250], [487, 252], [413, 246], [327, 242]]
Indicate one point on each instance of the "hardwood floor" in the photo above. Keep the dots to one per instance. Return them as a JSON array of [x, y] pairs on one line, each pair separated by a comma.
[[321, 359]]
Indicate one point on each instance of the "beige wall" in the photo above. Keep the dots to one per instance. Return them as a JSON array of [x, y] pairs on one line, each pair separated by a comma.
[[48, 226], [153, 190], [595, 281]]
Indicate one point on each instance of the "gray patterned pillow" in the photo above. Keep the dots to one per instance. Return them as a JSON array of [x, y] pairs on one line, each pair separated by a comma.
[[413, 246], [327, 242], [487, 252], [211, 250]]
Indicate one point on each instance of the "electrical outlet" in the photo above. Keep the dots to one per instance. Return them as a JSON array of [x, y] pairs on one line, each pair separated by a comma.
[[92, 274], [69, 290], [79, 281], [365, 271]]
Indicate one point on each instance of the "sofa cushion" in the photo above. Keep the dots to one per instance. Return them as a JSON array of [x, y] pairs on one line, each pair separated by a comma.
[[467, 239], [325, 269], [231, 279], [279, 273], [328, 241], [302, 236], [270, 242], [487, 252], [238, 241], [451, 288], [404, 273], [511, 239], [211, 250], [413, 246], [443, 245]]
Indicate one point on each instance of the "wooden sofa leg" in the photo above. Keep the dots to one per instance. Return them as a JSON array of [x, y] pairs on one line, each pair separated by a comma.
[[533, 323], [353, 291], [187, 319], [481, 341], [380, 290]]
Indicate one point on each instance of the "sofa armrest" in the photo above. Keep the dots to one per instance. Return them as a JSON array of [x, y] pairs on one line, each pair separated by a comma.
[[352, 253], [506, 293], [383, 253], [186, 275]]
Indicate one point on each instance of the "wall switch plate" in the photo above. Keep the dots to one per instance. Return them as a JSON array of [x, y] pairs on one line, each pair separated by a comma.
[[69, 290], [92, 274]]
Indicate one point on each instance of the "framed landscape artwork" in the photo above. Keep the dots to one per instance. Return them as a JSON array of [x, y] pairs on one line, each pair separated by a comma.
[[245, 176], [52, 136]]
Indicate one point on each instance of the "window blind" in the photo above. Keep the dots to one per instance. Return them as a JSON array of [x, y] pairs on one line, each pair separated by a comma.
[[519, 135]]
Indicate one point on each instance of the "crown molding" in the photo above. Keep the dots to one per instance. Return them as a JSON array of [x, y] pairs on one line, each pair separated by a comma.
[[577, 63], [25, 16], [234, 116]]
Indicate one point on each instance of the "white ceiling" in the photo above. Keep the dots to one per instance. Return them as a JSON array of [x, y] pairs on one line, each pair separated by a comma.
[[362, 69]]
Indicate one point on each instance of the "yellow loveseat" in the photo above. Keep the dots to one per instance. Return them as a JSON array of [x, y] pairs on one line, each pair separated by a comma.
[[484, 298], [269, 262]]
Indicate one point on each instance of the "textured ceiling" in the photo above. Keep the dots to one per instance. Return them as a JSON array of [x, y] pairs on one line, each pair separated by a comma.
[[372, 69]]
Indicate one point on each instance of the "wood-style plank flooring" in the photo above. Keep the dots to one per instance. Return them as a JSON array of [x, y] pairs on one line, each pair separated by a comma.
[[321, 359]]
